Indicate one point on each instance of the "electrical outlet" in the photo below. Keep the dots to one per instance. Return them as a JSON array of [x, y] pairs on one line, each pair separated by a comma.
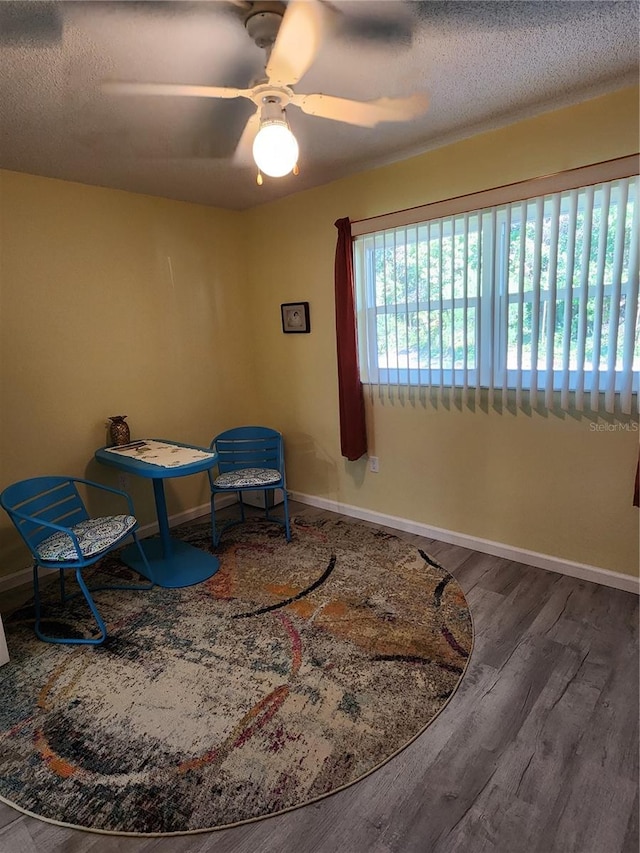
[[374, 465]]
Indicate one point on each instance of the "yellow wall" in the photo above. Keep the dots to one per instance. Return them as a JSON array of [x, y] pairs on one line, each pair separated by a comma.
[[542, 483], [95, 323], [92, 323]]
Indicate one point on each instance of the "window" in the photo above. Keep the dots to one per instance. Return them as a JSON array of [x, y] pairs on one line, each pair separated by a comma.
[[539, 295]]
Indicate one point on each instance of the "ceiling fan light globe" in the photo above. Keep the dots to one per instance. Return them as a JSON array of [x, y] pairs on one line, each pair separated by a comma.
[[275, 149]]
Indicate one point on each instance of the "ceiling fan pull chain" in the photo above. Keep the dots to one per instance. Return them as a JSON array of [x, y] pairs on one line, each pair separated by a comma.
[[259, 180]]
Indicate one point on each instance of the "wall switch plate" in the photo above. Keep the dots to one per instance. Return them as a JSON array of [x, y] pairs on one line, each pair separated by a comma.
[[374, 465]]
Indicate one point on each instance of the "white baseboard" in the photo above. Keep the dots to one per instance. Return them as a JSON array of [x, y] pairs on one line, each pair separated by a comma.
[[23, 576], [4, 651], [594, 574], [618, 580]]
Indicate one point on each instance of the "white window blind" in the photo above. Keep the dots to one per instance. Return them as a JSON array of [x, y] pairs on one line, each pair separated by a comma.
[[539, 296]]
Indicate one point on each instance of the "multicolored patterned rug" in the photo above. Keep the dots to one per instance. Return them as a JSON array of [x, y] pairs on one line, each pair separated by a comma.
[[296, 670]]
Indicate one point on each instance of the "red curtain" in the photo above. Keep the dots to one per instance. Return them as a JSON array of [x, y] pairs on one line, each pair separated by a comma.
[[353, 432]]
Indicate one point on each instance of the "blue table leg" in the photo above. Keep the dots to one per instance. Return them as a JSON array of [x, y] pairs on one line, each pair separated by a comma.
[[173, 563], [163, 519]]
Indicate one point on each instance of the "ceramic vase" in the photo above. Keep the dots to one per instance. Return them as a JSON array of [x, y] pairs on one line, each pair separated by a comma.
[[119, 430]]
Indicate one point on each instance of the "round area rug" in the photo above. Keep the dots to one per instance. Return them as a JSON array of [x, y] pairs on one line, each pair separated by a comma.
[[296, 670]]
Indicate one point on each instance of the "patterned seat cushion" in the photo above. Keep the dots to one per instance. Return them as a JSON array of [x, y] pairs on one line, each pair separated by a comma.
[[94, 535], [252, 477]]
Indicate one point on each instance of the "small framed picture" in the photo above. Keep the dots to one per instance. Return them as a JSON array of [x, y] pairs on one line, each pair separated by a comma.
[[295, 317]]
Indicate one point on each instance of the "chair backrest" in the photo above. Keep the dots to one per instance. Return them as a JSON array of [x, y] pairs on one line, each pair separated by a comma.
[[249, 447], [52, 499]]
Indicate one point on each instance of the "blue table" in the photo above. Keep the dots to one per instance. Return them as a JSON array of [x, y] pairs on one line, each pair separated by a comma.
[[173, 563]]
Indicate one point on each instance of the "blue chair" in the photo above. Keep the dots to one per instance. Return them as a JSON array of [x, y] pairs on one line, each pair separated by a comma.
[[249, 458], [53, 521]]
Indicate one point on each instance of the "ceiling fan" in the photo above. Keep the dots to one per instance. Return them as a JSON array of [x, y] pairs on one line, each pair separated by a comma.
[[291, 35]]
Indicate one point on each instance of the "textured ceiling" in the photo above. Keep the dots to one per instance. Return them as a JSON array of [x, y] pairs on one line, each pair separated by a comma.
[[482, 64]]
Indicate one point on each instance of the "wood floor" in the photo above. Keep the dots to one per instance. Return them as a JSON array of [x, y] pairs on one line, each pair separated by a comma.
[[536, 752]]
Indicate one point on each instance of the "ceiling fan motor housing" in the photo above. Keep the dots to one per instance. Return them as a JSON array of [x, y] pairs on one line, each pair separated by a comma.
[[263, 23]]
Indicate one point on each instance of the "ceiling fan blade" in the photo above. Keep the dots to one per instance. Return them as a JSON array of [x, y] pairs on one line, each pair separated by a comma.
[[243, 155], [30, 24], [380, 24], [297, 43], [363, 113], [122, 88]]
